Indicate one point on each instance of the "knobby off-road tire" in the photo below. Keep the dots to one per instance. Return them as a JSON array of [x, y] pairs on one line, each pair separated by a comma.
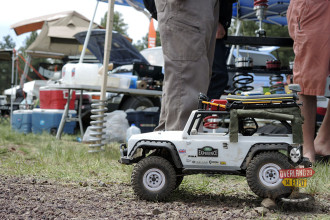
[[153, 178], [179, 180], [263, 175]]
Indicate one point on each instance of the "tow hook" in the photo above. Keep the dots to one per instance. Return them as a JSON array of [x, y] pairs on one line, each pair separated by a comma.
[[123, 150]]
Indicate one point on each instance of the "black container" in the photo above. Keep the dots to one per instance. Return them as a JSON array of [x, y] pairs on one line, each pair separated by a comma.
[[146, 121]]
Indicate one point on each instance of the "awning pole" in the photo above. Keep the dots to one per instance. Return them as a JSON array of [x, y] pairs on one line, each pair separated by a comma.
[[26, 70], [107, 47], [12, 86], [98, 113], [88, 34], [238, 26]]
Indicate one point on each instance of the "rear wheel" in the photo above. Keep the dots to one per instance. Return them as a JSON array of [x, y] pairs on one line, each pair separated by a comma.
[[153, 178], [263, 175], [137, 103]]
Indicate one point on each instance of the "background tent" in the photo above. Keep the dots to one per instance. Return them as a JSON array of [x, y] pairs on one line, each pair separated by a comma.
[[56, 39], [122, 51], [243, 9]]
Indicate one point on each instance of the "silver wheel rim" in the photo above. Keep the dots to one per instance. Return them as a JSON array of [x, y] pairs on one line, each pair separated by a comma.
[[154, 179], [269, 174]]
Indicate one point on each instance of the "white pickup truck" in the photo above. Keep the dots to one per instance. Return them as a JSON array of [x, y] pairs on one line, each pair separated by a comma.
[[164, 158]]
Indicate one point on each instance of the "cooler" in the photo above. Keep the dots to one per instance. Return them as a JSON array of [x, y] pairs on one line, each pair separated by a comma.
[[145, 120], [22, 121], [55, 98], [49, 120]]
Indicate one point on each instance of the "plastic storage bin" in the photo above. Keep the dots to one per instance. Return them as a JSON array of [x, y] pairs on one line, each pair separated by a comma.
[[22, 121], [49, 120], [127, 81], [81, 74], [55, 98], [145, 120]]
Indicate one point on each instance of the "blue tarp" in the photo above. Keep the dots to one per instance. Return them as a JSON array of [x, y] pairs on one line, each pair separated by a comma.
[[122, 51]]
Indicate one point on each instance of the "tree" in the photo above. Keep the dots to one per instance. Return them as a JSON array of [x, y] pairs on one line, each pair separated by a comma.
[[118, 23], [7, 43], [143, 43]]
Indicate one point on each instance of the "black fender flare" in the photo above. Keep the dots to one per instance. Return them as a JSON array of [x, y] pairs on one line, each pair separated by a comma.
[[262, 147], [155, 144]]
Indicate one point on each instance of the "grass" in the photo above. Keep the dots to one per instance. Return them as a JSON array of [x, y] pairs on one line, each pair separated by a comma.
[[42, 155], [66, 160]]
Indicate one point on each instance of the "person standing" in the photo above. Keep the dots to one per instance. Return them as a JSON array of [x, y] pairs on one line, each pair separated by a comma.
[[219, 79], [187, 31], [309, 27]]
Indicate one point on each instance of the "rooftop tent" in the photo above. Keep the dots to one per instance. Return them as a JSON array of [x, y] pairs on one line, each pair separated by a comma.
[[122, 51], [56, 39], [275, 14]]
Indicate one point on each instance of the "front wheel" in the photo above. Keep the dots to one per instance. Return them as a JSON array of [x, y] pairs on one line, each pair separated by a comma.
[[153, 178], [263, 175]]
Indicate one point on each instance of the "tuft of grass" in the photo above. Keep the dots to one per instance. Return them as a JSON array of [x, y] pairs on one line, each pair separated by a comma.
[[319, 182]]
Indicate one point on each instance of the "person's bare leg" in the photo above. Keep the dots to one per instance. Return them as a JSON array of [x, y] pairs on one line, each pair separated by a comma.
[[322, 140], [308, 110]]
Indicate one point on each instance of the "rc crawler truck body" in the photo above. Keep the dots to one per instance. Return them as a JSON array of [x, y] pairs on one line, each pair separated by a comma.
[[220, 139]]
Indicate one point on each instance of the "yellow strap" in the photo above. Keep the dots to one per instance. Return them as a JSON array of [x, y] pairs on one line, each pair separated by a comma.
[[262, 102], [214, 104], [259, 99]]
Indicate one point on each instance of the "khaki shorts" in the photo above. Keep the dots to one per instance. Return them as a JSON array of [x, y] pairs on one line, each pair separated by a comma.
[[309, 27]]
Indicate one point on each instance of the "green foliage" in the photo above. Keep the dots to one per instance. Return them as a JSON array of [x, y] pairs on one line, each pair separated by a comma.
[[118, 23], [143, 44], [7, 43]]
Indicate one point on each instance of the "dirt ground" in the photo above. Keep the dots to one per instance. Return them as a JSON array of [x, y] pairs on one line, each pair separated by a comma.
[[29, 198]]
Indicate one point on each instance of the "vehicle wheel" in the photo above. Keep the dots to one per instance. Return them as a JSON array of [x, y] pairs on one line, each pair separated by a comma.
[[53, 131], [263, 175], [153, 178], [297, 201], [137, 103], [179, 180]]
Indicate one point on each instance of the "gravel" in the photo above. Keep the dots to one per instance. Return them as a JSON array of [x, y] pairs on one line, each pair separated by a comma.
[[32, 198]]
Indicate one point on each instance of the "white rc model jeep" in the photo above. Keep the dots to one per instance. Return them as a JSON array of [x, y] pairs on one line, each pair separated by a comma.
[[209, 145]]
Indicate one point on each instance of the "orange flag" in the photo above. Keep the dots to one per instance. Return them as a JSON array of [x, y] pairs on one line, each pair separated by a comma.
[[152, 34]]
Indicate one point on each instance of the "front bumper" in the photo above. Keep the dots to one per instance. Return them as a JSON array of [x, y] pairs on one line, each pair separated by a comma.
[[123, 155]]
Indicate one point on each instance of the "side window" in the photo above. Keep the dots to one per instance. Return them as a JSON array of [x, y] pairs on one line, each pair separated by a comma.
[[210, 123]]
